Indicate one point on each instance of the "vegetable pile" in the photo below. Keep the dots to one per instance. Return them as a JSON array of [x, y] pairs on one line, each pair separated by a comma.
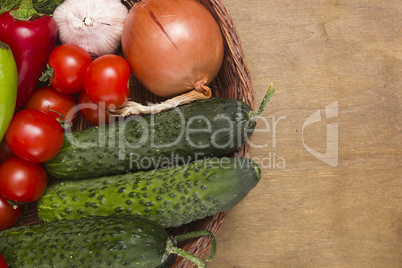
[[105, 194]]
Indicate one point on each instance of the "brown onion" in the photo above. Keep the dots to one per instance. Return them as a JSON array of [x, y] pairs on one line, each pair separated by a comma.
[[173, 46]]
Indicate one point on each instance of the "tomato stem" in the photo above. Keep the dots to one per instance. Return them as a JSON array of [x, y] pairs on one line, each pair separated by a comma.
[[65, 124], [15, 204], [47, 74]]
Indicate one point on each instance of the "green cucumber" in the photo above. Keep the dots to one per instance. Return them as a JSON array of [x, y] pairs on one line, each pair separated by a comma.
[[171, 196], [117, 241], [208, 128]]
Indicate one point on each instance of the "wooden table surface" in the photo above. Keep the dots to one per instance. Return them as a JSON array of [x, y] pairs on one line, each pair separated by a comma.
[[329, 144]]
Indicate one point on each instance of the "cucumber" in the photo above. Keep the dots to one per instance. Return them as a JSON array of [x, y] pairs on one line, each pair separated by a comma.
[[117, 241], [171, 196], [208, 128]]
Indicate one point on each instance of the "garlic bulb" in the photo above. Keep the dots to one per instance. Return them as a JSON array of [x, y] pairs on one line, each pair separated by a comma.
[[94, 25]]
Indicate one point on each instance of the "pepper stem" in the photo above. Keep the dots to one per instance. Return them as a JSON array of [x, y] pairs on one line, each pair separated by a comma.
[[188, 255], [26, 11], [264, 103]]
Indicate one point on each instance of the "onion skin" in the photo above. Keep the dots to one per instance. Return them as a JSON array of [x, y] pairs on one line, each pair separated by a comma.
[[172, 46]]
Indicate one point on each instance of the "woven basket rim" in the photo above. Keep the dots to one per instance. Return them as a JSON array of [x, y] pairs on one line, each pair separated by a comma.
[[233, 81]]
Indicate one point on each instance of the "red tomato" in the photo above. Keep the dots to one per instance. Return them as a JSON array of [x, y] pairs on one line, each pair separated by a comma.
[[107, 81], [5, 152], [8, 214], [92, 112], [22, 181], [53, 103], [3, 263], [34, 136], [69, 63]]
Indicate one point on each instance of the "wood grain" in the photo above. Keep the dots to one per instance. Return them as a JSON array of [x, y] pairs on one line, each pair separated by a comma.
[[304, 212]]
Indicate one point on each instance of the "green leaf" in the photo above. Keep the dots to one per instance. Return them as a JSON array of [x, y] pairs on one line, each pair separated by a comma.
[[42, 6], [6, 5], [46, 6]]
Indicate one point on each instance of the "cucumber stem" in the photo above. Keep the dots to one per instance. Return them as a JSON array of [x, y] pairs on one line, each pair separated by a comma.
[[182, 253], [264, 103], [196, 234]]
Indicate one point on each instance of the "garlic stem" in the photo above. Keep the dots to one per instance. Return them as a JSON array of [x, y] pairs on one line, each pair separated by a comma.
[[88, 21]]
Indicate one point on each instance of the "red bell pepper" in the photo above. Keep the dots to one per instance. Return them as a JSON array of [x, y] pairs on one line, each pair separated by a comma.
[[31, 37]]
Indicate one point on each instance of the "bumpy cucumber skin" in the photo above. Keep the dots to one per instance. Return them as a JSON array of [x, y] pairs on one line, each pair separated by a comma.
[[170, 196], [117, 241], [218, 127]]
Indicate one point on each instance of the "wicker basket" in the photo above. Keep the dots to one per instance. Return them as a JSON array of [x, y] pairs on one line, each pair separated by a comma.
[[233, 81]]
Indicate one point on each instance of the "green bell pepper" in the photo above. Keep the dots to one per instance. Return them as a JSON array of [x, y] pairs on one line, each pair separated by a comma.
[[8, 87]]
